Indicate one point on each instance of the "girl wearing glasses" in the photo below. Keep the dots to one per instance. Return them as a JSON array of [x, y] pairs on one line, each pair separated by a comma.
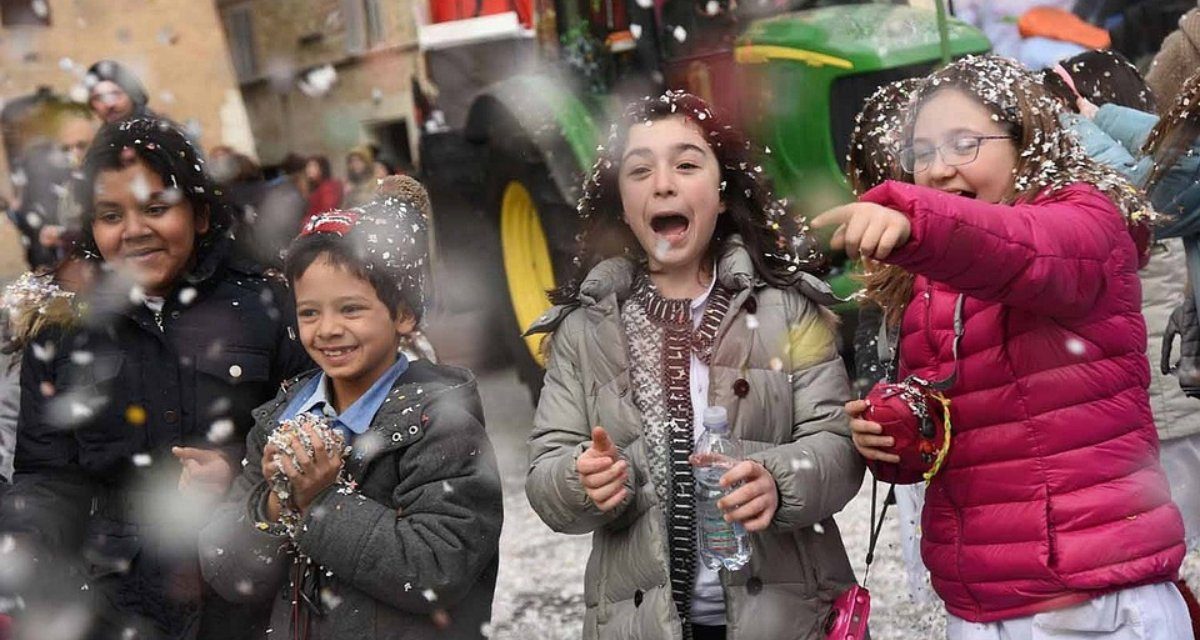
[[1051, 516]]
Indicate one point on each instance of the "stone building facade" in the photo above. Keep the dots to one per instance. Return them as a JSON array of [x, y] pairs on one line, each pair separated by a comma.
[[176, 47], [325, 76]]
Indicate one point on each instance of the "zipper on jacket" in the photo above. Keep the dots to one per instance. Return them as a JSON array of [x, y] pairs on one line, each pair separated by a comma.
[[158, 320]]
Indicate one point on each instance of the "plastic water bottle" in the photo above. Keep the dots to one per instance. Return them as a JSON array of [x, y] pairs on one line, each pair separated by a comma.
[[721, 544]]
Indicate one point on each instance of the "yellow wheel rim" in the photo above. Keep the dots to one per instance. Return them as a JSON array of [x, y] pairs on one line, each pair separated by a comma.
[[527, 265]]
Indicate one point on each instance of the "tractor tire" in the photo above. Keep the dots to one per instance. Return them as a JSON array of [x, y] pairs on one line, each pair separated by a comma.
[[464, 300], [535, 230]]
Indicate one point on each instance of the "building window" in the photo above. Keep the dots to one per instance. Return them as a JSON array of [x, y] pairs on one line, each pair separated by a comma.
[[374, 22], [364, 24], [16, 13], [239, 26]]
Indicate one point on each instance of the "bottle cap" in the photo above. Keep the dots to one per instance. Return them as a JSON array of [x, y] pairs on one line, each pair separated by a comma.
[[716, 418]]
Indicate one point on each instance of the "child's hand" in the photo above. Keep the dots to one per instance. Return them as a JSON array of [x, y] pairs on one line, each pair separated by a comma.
[[601, 471], [865, 229], [203, 469], [866, 435], [270, 454], [754, 503], [315, 472]]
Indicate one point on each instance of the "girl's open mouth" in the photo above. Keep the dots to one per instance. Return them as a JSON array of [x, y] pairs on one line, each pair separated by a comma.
[[670, 226]]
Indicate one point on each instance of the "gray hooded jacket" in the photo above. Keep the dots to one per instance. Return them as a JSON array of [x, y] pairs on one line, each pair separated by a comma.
[[791, 420], [412, 553]]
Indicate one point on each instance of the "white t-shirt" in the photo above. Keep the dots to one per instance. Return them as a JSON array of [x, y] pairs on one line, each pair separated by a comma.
[[708, 599]]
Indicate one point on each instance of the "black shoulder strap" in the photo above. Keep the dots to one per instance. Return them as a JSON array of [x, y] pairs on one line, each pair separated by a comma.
[[876, 530]]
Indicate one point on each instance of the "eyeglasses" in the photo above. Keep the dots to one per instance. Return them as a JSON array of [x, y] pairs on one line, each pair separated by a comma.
[[961, 150]]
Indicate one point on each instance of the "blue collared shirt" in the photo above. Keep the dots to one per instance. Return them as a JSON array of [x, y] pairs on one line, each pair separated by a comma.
[[356, 419]]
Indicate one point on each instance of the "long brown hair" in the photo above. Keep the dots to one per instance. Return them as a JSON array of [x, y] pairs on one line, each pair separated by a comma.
[[1049, 157], [779, 247], [1175, 132]]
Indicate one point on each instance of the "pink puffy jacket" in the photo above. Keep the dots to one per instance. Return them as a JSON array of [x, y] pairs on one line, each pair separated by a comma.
[[1052, 493]]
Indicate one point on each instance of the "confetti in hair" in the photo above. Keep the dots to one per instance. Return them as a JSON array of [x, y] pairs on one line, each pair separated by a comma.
[[781, 248], [1049, 156], [166, 150], [878, 135], [390, 233], [32, 303]]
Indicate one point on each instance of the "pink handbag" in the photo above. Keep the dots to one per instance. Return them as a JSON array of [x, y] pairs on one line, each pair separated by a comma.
[[848, 618]]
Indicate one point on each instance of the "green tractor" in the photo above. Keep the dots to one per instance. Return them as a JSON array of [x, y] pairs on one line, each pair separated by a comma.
[[523, 116]]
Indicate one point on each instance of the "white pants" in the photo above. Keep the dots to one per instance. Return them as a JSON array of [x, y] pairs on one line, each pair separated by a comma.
[[910, 499], [1151, 612]]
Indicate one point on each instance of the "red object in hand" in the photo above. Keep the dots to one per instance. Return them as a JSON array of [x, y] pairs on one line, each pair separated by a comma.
[[6, 627], [915, 419]]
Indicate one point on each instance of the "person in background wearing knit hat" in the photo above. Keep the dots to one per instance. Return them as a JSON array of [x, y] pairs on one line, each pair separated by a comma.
[[397, 536], [360, 177], [115, 93], [1177, 60]]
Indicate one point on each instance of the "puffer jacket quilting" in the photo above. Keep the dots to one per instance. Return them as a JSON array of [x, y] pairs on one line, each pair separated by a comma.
[[1052, 493]]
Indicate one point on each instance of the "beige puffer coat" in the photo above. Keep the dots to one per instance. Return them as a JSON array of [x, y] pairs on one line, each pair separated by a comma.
[[791, 420]]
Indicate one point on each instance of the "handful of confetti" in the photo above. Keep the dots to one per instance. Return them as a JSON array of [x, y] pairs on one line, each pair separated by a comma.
[[284, 437], [31, 304]]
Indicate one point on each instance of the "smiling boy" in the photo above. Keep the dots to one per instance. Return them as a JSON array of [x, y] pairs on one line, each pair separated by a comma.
[[399, 538]]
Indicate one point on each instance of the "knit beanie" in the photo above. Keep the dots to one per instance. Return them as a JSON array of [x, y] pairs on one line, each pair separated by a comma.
[[390, 233], [1178, 59]]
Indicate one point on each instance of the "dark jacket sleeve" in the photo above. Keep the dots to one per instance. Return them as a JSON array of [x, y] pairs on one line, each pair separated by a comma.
[[428, 553], [1053, 256], [50, 494], [868, 367], [288, 357], [240, 559], [291, 359]]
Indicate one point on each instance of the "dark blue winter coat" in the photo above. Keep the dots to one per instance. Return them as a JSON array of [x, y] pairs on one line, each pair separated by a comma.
[[94, 488]]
